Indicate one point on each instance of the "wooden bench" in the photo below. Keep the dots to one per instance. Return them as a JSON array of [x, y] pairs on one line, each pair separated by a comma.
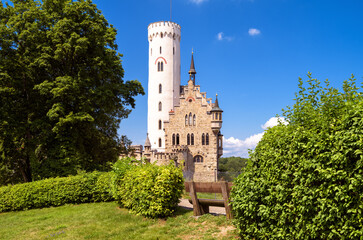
[[201, 206]]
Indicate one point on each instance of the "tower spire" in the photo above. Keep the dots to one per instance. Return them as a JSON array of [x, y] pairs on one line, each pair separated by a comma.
[[192, 71]]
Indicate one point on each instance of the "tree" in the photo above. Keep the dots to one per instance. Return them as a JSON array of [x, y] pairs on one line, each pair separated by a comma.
[[304, 180], [229, 168], [62, 96]]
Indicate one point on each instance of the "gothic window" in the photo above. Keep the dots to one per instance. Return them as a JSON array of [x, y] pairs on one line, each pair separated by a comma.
[[158, 66], [192, 139], [207, 139], [160, 88], [161, 66], [190, 119], [186, 120], [188, 139], [160, 125], [161, 35], [160, 106], [159, 142], [177, 139], [198, 159], [203, 139], [173, 141], [160, 50], [194, 118]]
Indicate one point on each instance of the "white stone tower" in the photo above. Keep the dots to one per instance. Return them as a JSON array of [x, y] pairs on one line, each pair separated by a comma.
[[164, 78]]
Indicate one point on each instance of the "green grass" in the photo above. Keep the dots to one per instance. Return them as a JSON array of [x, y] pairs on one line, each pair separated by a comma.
[[107, 221], [203, 195]]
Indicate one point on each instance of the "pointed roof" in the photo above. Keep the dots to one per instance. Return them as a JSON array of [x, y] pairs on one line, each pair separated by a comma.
[[216, 106], [192, 68], [147, 141]]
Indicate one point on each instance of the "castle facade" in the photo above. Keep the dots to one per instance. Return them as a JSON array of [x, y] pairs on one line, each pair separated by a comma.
[[183, 124]]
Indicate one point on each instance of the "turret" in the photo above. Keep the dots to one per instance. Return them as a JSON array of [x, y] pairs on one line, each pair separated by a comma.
[[216, 113], [192, 71]]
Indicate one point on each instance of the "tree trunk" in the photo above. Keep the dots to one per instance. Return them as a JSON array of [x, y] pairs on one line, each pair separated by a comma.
[[26, 170]]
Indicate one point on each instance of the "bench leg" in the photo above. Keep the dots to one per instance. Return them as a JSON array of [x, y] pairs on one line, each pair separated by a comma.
[[197, 209], [225, 194], [205, 209]]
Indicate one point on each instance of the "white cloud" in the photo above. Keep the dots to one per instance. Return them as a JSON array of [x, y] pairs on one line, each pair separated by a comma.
[[254, 32], [274, 121], [221, 37], [198, 1], [236, 147]]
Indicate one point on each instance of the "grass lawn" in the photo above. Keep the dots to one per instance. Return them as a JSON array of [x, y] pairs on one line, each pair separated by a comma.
[[107, 221], [203, 195]]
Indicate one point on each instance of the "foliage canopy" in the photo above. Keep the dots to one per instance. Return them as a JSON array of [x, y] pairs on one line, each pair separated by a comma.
[[62, 96], [304, 180], [230, 167]]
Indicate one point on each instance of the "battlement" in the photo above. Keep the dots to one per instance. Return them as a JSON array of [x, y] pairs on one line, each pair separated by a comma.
[[164, 29], [180, 148], [163, 23]]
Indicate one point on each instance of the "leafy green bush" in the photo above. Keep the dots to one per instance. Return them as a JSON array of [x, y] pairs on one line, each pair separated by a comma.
[[149, 190], [90, 187], [305, 179]]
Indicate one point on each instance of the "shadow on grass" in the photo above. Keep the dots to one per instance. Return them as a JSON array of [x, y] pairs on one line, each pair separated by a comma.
[[180, 211]]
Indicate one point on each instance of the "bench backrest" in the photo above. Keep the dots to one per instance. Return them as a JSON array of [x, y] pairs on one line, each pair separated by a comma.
[[207, 187]]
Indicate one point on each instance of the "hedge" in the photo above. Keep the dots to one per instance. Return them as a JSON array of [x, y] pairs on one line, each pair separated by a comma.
[[148, 190], [90, 187], [304, 180]]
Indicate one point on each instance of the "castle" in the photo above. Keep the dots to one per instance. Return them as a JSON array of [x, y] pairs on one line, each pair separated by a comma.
[[183, 124]]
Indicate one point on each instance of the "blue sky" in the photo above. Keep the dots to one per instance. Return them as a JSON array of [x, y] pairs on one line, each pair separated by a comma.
[[250, 52]]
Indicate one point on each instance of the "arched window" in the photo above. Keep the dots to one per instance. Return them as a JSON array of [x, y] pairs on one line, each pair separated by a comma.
[[160, 88], [177, 139], [186, 120], [160, 50], [160, 106], [220, 116], [194, 120], [190, 119], [207, 139], [173, 140], [161, 35], [198, 159], [158, 66], [203, 139], [192, 139], [188, 139], [173, 50], [161, 66], [220, 142], [159, 142], [160, 125]]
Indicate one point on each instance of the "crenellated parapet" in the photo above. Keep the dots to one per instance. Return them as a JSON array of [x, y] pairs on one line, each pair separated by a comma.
[[179, 148], [164, 29]]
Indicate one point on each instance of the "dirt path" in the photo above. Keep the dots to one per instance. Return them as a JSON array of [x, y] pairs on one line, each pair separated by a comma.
[[216, 210]]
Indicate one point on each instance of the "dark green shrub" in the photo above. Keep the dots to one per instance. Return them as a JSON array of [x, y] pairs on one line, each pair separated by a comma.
[[150, 190], [305, 179], [83, 188]]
